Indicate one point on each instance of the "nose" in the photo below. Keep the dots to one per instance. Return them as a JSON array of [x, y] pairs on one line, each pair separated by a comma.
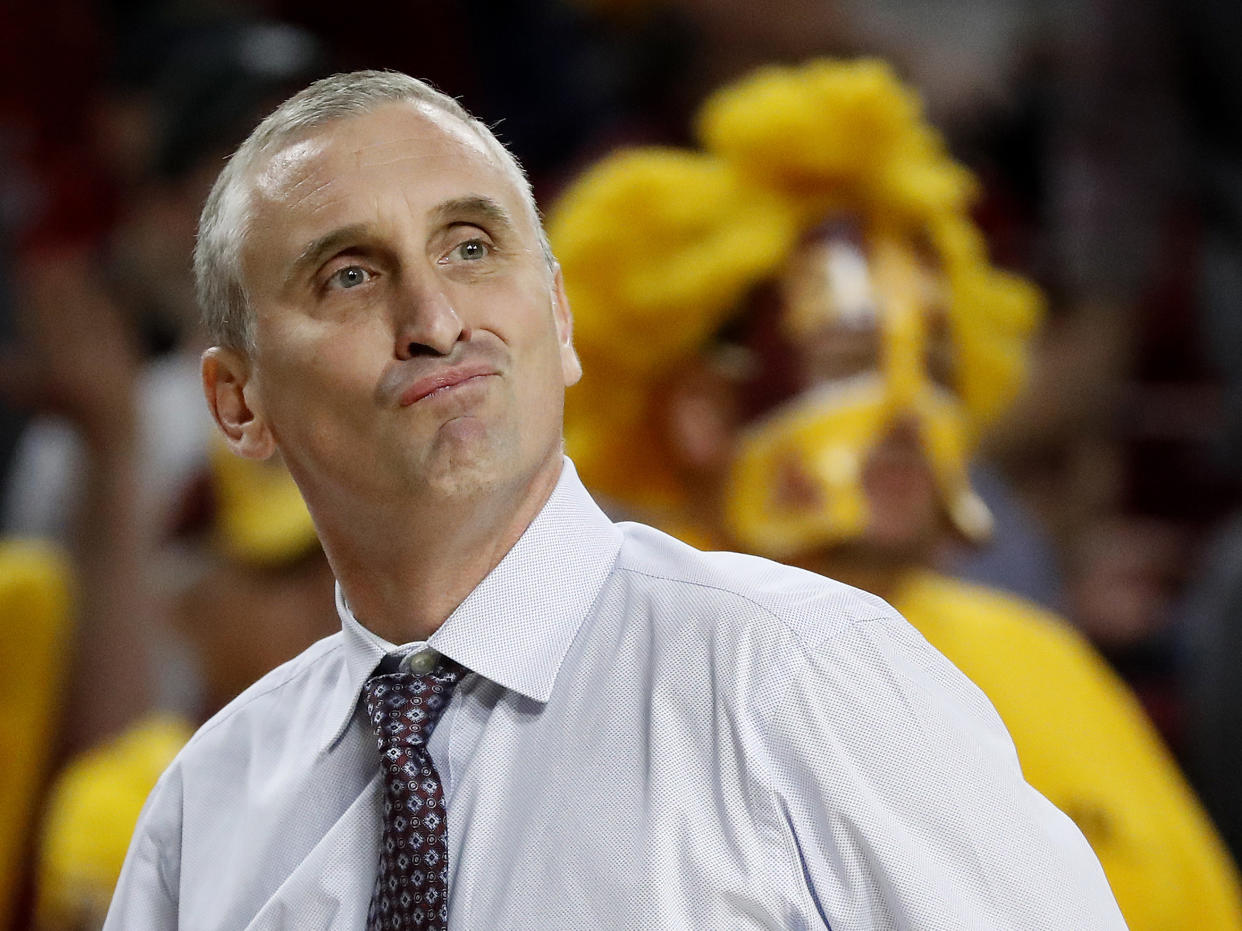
[[426, 323]]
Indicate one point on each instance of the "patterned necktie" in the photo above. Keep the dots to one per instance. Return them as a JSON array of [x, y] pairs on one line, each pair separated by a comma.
[[411, 888]]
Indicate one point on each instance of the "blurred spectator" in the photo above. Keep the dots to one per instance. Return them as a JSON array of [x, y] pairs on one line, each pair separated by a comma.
[[90, 816], [1125, 573], [213, 83], [111, 342], [79, 362], [1212, 612], [252, 589], [791, 342], [100, 351], [1021, 558]]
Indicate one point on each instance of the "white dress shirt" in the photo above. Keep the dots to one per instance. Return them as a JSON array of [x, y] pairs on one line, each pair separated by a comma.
[[648, 737]]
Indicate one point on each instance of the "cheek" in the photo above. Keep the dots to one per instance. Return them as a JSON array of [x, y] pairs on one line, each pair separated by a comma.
[[548, 372], [519, 314], [315, 365]]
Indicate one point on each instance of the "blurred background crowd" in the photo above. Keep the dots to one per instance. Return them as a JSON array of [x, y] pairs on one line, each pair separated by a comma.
[[145, 578]]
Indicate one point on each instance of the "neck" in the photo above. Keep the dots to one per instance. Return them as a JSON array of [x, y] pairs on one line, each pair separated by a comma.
[[404, 572]]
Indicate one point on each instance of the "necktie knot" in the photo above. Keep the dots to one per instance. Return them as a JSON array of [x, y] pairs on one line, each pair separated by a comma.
[[405, 706]]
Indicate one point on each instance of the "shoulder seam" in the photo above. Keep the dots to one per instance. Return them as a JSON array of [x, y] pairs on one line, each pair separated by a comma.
[[706, 585], [852, 619]]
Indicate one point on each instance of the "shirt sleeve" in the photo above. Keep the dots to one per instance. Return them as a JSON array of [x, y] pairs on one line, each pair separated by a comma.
[[146, 894], [905, 803]]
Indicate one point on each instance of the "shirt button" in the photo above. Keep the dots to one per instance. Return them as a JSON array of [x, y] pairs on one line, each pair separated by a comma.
[[422, 661]]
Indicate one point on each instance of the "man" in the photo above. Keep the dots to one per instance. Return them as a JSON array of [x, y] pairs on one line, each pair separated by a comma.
[[832, 342], [630, 733]]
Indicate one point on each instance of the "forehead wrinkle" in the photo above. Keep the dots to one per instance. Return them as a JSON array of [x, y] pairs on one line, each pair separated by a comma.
[[481, 204], [435, 126], [307, 195], [375, 154], [288, 167]]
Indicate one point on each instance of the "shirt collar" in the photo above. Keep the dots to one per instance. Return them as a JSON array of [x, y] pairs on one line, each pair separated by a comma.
[[517, 624]]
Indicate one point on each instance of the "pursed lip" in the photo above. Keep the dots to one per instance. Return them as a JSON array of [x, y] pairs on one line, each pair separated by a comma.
[[445, 378]]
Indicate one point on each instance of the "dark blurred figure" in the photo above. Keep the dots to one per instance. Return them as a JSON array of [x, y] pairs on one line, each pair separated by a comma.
[[1213, 611], [1213, 634], [182, 95], [108, 354], [248, 588], [110, 163]]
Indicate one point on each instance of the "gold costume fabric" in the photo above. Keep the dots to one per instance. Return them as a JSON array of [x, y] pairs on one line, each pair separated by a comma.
[[1086, 745], [35, 611], [90, 818]]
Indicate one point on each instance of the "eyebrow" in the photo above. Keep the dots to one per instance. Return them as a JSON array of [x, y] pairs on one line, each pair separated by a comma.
[[470, 208], [473, 207], [325, 245]]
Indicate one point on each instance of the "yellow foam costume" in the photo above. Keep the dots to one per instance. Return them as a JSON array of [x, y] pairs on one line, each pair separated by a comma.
[[660, 246], [663, 248], [90, 818], [1086, 745], [36, 619]]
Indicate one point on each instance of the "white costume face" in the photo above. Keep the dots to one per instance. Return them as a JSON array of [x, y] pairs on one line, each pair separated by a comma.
[[859, 433]]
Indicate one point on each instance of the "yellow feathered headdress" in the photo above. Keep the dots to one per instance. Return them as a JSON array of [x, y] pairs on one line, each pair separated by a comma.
[[661, 246]]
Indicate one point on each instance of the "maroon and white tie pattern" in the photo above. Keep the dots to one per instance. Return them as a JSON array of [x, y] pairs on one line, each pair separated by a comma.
[[411, 888]]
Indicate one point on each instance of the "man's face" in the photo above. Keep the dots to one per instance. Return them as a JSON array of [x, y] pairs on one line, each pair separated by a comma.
[[409, 335]]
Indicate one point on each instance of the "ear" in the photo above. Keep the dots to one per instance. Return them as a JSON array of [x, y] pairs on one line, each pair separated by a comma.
[[571, 368], [232, 396], [700, 419]]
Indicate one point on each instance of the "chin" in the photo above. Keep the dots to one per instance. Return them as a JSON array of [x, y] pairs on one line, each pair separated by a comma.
[[470, 458], [460, 475]]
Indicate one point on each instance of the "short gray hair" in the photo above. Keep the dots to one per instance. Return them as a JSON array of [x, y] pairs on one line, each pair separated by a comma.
[[225, 219]]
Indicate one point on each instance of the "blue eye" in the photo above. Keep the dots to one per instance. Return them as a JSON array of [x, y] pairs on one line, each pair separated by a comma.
[[472, 250], [349, 277]]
